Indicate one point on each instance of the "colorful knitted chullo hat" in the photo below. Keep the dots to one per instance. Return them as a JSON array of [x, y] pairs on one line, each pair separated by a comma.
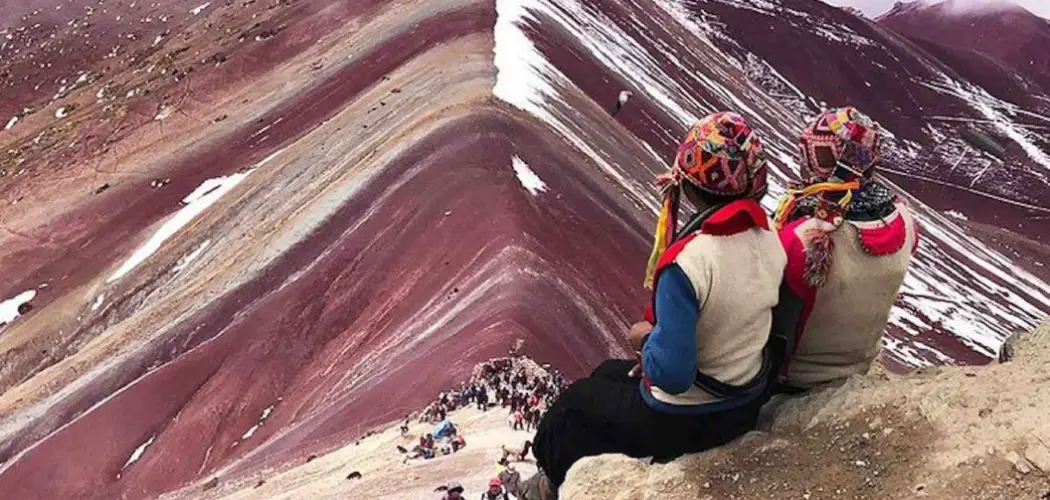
[[720, 155], [841, 144], [839, 150]]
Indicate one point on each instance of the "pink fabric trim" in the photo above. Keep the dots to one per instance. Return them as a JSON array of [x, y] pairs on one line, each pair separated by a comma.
[[795, 277]]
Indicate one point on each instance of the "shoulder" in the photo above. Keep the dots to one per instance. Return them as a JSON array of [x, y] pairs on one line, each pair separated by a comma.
[[914, 229], [693, 253], [890, 234], [793, 236]]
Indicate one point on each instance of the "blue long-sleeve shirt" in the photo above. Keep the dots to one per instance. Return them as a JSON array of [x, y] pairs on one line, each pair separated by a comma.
[[669, 356]]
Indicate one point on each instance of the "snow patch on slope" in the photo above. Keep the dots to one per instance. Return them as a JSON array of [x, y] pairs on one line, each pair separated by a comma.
[[137, 454], [958, 285], [251, 430], [9, 307], [529, 180], [527, 80], [190, 257], [820, 26], [195, 204], [993, 110]]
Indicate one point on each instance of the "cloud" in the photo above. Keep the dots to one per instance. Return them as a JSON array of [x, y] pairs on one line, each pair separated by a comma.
[[876, 7]]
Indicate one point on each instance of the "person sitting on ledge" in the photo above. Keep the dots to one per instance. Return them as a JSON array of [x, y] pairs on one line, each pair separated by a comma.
[[703, 368], [849, 240]]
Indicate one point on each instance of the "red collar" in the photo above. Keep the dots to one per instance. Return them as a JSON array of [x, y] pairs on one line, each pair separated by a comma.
[[736, 217]]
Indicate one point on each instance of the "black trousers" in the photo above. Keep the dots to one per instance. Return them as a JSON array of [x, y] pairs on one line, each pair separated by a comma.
[[605, 413]]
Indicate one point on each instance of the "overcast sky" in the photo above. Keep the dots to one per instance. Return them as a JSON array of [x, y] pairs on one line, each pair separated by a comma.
[[876, 7]]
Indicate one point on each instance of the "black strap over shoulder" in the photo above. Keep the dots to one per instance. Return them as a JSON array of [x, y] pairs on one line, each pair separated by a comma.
[[694, 224], [721, 389]]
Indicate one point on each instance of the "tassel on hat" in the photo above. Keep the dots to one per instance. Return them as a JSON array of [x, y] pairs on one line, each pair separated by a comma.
[[666, 224], [829, 216], [819, 249]]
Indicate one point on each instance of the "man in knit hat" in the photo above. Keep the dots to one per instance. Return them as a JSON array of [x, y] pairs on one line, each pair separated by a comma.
[[849, 241], [703, 369]]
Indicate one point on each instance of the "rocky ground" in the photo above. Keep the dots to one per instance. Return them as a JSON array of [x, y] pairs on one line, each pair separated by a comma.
[[946, 433]]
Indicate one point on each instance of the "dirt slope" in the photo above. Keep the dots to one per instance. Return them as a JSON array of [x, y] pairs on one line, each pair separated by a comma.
[[945, 433], [383, 473]]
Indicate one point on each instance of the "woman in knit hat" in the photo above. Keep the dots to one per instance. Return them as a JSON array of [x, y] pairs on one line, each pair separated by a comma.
[[849, 241], [701, 351]]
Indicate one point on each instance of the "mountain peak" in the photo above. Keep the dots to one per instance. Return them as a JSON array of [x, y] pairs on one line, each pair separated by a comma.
[[998, 29], [956, 8]]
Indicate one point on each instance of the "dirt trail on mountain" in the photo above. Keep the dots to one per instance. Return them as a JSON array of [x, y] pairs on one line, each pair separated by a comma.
[[384, 476]]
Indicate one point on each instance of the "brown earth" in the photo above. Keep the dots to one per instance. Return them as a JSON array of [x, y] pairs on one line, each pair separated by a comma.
[[946, 433]]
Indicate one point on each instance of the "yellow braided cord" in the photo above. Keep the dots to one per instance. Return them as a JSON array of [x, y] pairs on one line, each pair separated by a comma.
[[659, 242], [787, 203]]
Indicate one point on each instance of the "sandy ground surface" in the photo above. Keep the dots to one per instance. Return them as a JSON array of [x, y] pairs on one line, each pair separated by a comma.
[[946, 433], [383, 473]]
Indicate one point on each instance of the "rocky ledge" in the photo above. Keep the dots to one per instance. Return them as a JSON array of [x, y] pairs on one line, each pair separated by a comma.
[[976, 432]]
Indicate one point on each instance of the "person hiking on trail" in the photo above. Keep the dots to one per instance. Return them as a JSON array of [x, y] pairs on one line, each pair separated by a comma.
[[510, 478], [849, 241], [531, 418], [703, 369], [453, 491], [495, 491], [458, 443], [625, 95], [518, 423]]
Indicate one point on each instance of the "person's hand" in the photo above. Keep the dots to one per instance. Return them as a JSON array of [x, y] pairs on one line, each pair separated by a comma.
[[636, 371], [638, 333]]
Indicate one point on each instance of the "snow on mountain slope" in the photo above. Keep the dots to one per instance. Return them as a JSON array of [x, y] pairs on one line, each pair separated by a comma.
[[402, 234], [922, 100], [936, 299]]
